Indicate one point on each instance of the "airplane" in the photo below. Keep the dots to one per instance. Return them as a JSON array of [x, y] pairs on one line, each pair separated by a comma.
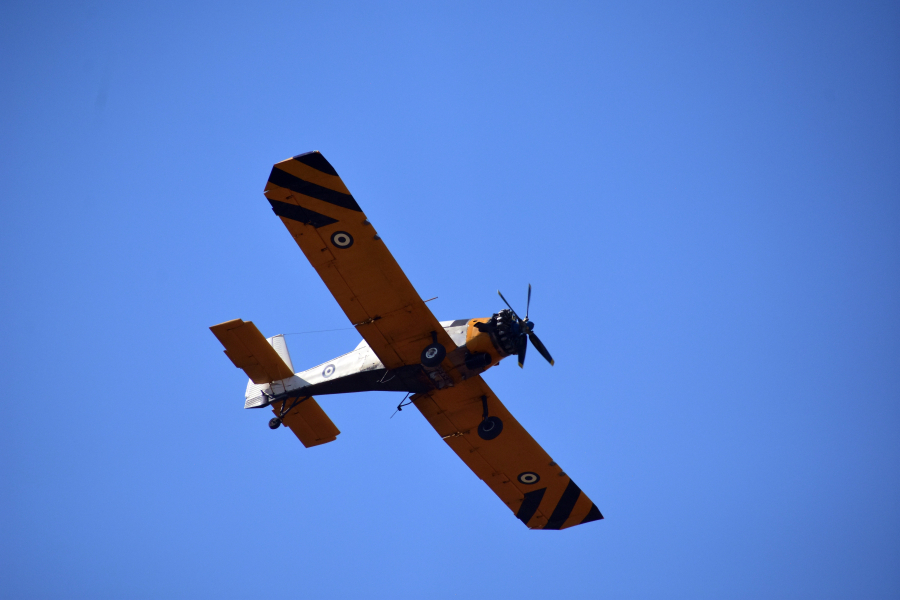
[[404, 349]]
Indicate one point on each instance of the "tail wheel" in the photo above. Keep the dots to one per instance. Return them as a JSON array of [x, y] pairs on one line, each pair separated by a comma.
[[274, 423]]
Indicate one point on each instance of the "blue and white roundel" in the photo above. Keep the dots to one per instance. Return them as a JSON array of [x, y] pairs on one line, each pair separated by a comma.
[[328, 371]]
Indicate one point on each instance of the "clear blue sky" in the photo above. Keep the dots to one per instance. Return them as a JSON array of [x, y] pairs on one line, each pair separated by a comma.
[[706, 198]]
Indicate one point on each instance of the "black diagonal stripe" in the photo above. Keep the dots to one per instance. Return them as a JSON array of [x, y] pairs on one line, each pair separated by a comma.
[[294, 183], [316, 161], [564, 506], [530, 505], [298, 213], [593, 515]]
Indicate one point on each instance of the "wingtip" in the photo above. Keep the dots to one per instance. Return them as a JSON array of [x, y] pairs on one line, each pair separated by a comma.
[[315, 160], [593, 515]]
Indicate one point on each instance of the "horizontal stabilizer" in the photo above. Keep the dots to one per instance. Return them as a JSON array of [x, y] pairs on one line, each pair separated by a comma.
[[250, 351], [308, 422]]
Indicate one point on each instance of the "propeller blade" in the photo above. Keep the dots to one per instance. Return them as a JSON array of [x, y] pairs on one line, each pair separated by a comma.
[[528, 306], [541, 348], [523, 346], [510, 307]]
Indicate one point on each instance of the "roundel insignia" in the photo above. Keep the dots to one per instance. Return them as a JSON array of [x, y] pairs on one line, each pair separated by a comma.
[[328, 371], [528, 478], [341, 239]]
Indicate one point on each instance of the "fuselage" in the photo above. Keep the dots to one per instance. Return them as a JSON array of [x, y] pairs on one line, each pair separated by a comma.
[[360, 370]]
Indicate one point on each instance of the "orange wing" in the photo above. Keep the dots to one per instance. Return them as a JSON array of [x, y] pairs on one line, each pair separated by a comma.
[[356, 266], [505, 456]]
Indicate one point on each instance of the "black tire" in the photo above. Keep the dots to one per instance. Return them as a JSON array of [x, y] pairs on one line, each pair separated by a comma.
[[274, 423], [433, 354], [490, 428]]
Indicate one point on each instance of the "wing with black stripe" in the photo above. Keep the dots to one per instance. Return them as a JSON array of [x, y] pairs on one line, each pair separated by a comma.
[[356, 266], [510, 462]]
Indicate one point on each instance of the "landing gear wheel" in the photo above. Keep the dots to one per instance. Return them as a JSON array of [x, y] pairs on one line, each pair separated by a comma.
[[274, 423], [433, 354], [490, 428]]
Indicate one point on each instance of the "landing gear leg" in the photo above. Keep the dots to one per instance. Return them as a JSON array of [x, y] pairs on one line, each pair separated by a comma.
[[490, 427], [285, 409]]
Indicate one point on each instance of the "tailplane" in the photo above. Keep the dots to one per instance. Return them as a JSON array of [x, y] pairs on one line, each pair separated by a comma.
[[306, 419], [267, 363], [246, 347]]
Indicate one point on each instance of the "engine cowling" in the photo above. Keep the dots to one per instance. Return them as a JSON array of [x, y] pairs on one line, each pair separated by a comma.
[[502, 330]]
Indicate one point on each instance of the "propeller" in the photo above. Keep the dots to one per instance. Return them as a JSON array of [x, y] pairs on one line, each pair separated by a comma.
[[526, 332]]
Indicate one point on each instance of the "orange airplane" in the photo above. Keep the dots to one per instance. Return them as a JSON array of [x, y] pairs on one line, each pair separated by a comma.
[[404, 349]]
